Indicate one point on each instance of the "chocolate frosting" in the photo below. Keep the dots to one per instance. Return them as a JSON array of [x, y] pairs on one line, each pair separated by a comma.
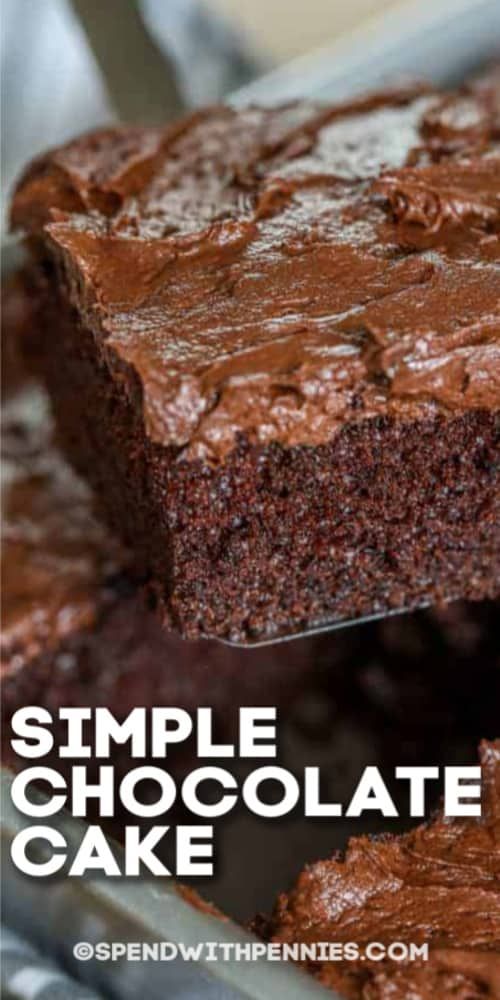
[[56, 556], [276, 273], [438, 884]]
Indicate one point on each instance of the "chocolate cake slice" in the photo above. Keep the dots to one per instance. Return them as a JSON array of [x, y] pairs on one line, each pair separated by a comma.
[[438, 884], [76, 631], [272, 338]]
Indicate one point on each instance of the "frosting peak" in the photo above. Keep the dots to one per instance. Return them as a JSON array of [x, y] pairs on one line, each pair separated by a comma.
[[244, 268]]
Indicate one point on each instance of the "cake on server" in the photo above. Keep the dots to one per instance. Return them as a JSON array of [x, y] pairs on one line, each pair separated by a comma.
[[438, 884], [272, 339]]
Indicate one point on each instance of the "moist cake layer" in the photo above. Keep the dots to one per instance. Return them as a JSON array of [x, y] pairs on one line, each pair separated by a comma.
[[76, 629]]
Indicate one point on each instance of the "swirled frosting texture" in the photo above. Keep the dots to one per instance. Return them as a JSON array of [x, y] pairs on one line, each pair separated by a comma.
[[278, 273], [438, 884]]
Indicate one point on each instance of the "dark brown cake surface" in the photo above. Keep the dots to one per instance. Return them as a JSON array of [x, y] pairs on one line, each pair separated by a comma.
[[438, 884], [272, 338]]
